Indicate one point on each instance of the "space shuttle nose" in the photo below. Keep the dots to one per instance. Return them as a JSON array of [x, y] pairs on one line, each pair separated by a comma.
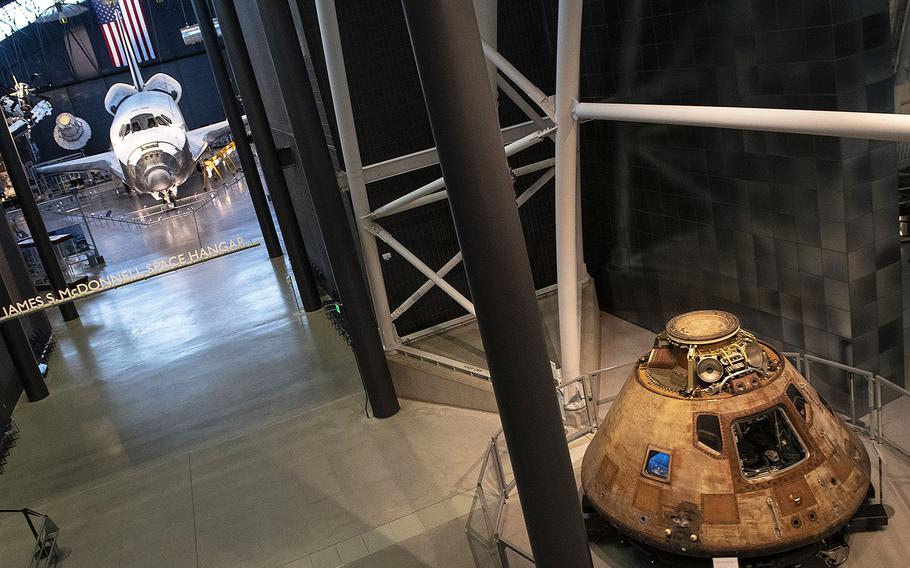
[[159, 179]]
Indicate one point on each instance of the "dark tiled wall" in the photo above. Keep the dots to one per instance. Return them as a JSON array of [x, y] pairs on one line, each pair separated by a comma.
[[796, 234]]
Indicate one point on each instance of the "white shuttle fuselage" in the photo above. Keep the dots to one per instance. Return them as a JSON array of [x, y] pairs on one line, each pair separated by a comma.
[[151, 149], [149, 140]]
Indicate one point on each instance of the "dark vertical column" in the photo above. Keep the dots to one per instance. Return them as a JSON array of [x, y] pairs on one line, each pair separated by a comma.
[[284, 47], [239, 58], [20, 351], [238, 129], [19, 179], [456, 90]]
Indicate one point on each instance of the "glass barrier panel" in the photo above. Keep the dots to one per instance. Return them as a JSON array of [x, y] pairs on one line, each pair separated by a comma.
[[895, 428], [479, 522], [505, 462], [846, 392]]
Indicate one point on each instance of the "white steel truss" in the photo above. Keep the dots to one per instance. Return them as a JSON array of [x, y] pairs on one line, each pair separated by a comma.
[[564, 110], [516, 139]]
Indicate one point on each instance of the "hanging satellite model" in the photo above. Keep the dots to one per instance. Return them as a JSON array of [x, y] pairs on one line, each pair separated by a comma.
[[717, 446], [24, 109], [62, 12], [71, 132]]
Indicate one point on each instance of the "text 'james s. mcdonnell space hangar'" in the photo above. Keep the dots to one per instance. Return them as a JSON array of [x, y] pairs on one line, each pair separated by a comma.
[[455, 284]]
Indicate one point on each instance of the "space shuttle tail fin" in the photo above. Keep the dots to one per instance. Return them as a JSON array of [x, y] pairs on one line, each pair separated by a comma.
[[127, 48]]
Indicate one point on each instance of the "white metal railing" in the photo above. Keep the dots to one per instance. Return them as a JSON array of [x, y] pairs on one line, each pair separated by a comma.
[[868, 398], [496, 483]]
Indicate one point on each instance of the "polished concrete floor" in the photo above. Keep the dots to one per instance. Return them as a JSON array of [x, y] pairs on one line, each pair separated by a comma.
[[198, 420]]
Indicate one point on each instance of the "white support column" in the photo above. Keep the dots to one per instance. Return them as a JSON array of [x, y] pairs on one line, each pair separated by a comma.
[[347, 134], [568, 58]]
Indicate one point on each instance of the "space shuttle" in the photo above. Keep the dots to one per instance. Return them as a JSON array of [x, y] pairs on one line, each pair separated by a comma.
[[151, 149]]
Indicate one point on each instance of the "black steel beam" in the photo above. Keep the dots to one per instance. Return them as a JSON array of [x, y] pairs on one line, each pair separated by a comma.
[[238, 129], [313, 153], [245, 77], [456, 89], [16, 172], [20, 350]]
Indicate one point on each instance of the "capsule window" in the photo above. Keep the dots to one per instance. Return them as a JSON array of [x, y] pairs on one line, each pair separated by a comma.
[[124, 130], [797, 398], [707, 429], [766, 443], [657, 464]]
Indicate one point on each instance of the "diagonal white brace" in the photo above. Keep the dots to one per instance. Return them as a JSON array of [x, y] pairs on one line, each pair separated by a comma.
[[534, 93], [388, 239], [437, 184]]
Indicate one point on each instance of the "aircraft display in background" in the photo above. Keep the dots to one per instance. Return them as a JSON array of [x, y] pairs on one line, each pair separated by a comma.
[[151, 149]]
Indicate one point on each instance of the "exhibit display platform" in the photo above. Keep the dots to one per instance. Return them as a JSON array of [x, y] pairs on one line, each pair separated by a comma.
[[880, 548], [496, 527]]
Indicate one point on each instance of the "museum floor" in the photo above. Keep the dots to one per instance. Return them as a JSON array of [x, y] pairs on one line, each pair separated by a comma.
[[198, 421]]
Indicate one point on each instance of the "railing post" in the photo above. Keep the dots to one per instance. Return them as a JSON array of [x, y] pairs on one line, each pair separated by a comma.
[[500, 472], [851, 377], [873, 413], [31, 525], [878, 408], [590, 403]]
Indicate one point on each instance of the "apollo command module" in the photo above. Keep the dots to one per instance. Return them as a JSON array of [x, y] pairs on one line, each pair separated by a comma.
[[716, 446]]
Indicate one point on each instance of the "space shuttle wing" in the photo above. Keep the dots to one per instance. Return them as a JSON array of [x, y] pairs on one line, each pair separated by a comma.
[[200, 138], [103, 162]]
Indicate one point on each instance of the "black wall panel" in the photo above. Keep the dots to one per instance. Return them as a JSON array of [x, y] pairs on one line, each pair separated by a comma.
[[796, 234]]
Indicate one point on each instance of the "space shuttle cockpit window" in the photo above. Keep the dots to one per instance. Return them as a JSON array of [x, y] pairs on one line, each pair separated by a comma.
[[767, 443]]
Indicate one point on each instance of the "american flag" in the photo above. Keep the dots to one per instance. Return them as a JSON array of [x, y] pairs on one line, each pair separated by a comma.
[[137, 34]]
